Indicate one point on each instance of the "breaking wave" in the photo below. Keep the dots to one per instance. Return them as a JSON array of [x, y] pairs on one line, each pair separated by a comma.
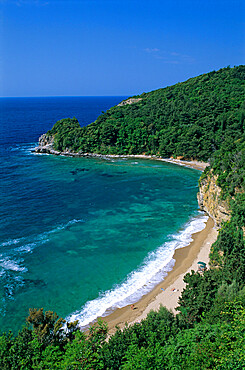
[[141, 281]]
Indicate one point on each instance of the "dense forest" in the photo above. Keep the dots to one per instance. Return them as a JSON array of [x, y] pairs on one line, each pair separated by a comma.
[[191, 119], [202, 118]]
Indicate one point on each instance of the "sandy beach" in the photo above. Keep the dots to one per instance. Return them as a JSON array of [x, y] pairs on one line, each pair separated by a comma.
[[48, 148], [197, 165], [168, 291]]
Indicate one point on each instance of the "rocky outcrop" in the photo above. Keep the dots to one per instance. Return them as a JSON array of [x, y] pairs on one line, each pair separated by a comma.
[[129, 101], [209, 199], [46, 145]]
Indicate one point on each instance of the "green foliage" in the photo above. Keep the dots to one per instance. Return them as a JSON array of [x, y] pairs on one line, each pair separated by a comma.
[[232, 338], [153, 331], [238, 209], [228, 253], [157, 343], [229, 164], [47, 327], [42, 348], [66, 133], [205, 346], [198, 296]]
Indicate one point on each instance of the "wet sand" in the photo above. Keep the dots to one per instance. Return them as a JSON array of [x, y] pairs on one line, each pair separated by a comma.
[[197, 165], [168, 291]]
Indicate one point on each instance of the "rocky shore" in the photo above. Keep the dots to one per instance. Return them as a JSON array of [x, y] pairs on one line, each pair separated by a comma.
[[46, 146]]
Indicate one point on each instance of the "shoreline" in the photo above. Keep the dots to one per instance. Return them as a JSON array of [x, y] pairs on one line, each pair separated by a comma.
[[168, 291], [197, 165]]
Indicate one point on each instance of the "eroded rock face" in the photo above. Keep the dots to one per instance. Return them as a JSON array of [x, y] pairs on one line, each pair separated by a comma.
[[46, 145], [45, 140], [209, 200], [129, 101]]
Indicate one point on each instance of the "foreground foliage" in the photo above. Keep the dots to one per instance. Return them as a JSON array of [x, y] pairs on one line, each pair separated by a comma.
[[161, 341]]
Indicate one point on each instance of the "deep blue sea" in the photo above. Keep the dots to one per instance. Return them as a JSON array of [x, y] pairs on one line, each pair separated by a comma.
[[83, 236]]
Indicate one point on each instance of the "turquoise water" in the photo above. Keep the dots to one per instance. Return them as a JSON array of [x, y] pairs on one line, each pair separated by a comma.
[[83, 236]]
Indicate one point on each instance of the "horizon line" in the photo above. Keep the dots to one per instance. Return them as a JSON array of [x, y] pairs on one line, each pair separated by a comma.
[[64, 96]]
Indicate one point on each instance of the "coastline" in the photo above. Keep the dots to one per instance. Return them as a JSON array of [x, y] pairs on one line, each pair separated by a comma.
[[169, 290], [197, 165]]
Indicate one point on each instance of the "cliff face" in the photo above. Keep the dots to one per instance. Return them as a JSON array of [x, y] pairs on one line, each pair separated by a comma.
[[209, 199], [46, 145], [129, 101]]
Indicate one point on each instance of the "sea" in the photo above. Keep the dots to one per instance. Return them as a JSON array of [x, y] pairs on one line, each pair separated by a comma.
[[83, 236]]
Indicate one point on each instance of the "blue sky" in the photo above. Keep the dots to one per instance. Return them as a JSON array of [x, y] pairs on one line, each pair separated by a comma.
[[115, 47]]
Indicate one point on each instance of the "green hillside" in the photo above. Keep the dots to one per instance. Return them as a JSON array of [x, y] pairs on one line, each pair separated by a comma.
[[191, 119]]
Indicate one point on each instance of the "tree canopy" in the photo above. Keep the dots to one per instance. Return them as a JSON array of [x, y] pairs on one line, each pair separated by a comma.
[[192, 119]]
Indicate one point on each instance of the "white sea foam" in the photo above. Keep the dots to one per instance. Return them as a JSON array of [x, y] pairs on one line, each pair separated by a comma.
[[41, 154], [2, 272], [9, 258], [10, 242], [26, 244], [153, 270], [8, 264], [28, 248], [27, 148]]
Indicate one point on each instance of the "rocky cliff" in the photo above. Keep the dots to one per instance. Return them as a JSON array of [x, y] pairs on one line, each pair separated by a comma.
[[209, 199], [129, 101], [45, 144]]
